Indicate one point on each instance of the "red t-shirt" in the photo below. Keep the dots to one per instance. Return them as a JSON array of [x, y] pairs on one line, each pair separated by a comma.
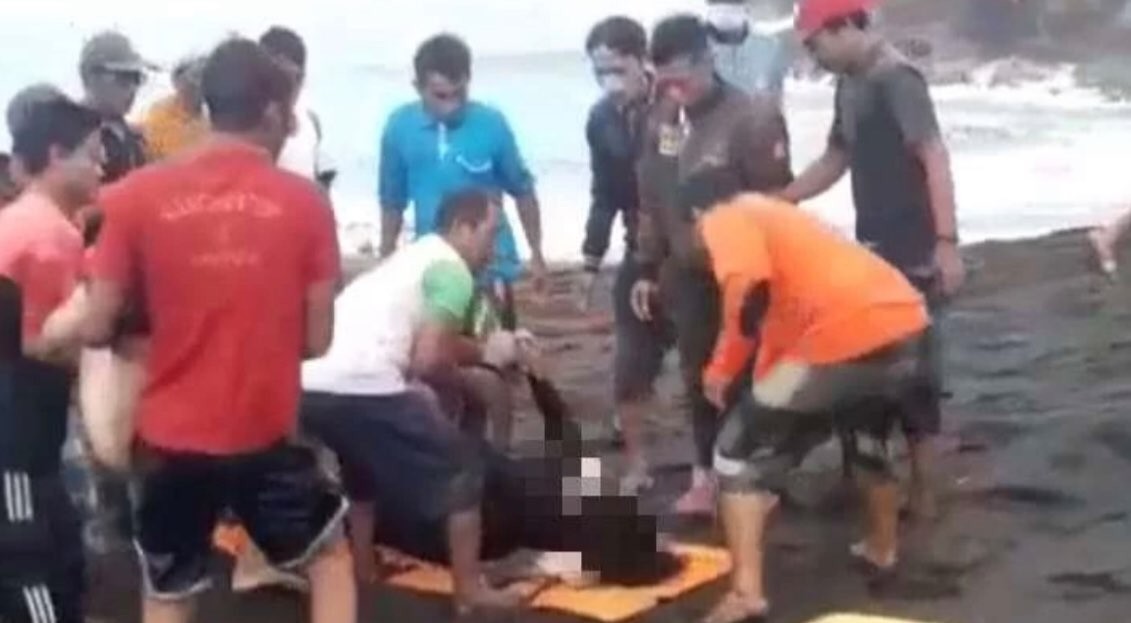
[[42, 252], [223, 245]]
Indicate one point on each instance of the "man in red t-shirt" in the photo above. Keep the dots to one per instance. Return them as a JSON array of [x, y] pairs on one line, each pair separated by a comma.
[[236, 263], [41, 252]]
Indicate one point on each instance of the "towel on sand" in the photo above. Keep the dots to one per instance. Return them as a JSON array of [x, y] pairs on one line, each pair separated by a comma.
[[610, 604]]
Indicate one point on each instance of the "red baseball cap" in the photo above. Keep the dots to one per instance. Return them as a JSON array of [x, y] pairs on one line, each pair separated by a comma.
[[812, 15]]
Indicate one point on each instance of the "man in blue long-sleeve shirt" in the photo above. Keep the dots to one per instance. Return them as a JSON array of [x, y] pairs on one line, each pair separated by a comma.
[[617, 48]]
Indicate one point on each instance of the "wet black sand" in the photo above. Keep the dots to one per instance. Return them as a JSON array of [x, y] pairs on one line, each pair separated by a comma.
[[1037, 519]]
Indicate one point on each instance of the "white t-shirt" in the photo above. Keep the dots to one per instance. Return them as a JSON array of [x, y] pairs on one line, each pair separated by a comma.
[[377, 317], [300, 154]]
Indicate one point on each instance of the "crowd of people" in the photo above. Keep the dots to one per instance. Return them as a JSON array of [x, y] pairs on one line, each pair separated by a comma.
[[182, 280]]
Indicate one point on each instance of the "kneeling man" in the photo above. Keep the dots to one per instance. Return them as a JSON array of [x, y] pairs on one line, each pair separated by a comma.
[[401, 322]]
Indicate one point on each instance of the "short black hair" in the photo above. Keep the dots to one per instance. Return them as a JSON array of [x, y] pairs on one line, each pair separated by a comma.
[[857, 19], [469, 206], [285, 42], [679, 35], [240, 81], [443, 54], [59, 123], [621, 34], [707, 189]]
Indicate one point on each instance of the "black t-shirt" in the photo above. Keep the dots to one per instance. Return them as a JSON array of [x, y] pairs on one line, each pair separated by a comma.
[[883, 117]]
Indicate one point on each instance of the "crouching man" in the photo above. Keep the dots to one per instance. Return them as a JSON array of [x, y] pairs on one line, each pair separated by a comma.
[[396, 324], [836, 330]]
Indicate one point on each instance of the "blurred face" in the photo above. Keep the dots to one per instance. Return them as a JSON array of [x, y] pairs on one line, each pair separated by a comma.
[[79, 173], [830, 49], [621, 77], [295, 71], [479, 240], [443, 98], [279, 124], [727, 16], [112, 91], [686, 79]]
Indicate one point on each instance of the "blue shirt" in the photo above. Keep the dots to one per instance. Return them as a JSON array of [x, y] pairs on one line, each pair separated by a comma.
[[423, 161]]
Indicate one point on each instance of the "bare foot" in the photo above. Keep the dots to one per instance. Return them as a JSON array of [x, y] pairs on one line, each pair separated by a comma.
[[637, 479], [486, 599], [698, 500], [736, 608], [1105, 255], [881, 562]]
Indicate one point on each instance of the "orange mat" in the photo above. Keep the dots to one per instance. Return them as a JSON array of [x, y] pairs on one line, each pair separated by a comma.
[[609, 604], [600, 603]]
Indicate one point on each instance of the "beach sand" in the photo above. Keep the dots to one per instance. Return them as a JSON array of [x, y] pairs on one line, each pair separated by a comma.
[[1037, 515]]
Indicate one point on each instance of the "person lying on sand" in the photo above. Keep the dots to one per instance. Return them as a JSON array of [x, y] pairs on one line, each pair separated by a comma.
[[838, 335], [403, 320], [554, 516]]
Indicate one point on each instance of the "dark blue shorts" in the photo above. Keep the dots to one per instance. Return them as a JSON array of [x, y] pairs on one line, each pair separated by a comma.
[[281, 495], [398, 452]]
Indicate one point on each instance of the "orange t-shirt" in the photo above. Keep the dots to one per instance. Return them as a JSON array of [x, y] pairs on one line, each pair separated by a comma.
[[42, 252], [222, 245], [170, 129], [831, 300]]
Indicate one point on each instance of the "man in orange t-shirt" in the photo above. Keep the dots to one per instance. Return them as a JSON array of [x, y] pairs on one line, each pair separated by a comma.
[[235, 262], [837, 334]]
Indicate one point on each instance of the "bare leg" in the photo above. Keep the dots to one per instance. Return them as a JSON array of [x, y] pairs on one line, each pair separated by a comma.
[[471, 590], [158, 611], [744, 517], [333, 594], [253, 570], [923, 503], [881, 543], [632, 414], [362, 519]]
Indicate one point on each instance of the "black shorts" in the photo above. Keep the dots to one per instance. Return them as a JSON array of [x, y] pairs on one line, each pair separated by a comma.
[[640, 345], [926, 419], [398, 452], [796, 407], [41, 553], [287, 503]]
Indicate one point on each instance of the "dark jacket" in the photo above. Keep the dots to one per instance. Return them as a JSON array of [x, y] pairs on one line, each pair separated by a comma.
[[615, 137], [730, 130], [124, 147]]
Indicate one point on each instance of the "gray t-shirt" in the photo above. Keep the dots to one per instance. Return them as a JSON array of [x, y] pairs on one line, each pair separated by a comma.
[[883, 117]]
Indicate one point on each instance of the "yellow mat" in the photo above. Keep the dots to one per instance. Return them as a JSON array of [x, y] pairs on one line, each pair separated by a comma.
[[600, 603]]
